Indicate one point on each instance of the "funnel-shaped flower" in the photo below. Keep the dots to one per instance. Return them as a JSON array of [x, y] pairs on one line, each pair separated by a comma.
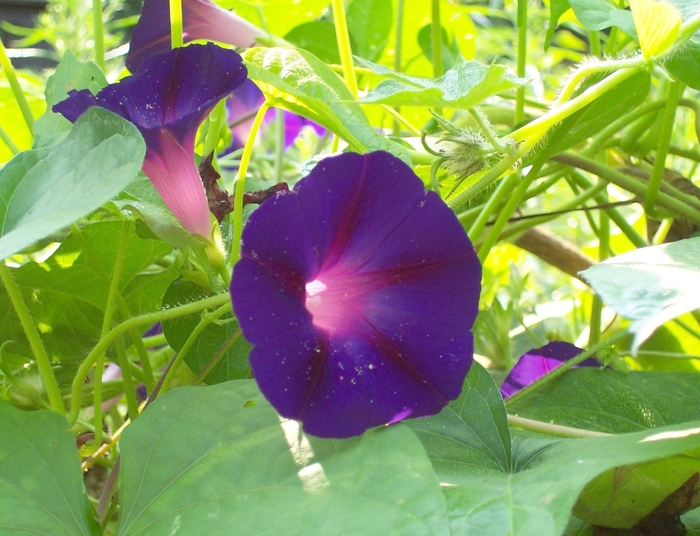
[[201, 19], [540, 361], [358, 290], [167, 99]]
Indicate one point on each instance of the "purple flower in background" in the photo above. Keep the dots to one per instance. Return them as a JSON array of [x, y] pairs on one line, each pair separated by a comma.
[[358, 290], [244, 104], [167, 99], [540, 361], [201, 19]]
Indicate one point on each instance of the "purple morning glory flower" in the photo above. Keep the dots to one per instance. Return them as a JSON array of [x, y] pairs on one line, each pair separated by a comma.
[[201, 19], [242, 107], [358, 290], [540, 361], [167, 99]]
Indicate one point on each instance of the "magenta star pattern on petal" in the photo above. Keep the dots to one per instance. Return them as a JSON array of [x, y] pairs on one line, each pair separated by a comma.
[[540, 361], [201, 19], [358, 290], [167, 99]]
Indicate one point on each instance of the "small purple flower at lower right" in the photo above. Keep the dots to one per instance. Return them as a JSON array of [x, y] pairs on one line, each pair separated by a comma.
[[539, 362]]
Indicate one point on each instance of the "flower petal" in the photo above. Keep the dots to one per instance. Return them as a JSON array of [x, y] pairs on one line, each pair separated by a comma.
[[539, 362], [174, 175], [359, 291], [202, 19]]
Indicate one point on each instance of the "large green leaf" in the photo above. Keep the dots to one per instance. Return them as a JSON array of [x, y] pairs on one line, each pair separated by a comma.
[[609, 401], [650, 285], [212, 460], [537, 501], [70, 74], [556, 9], [471, 434], [601, 112], [67, 293], [44, 190], [299, 82], [369, 24], [534, 493], [221, 339], [600, 14], [318, 37], [466, 85], [277, 16], [41, 485]]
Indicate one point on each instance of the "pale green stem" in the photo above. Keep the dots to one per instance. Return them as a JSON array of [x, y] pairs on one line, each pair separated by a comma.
[[6, 66], [129, 387], [344, 48], [216, 120], [240, 184], [196, 332], [522, 61], [279, 146], [667, 123], [539, 127], [106, 325], [681, 204], [220, 353], [531, 222], [564, 367], [5, 137], [176, 28], [125, 327], [436, 38], [400, 119], [42, 359], [397, 57], [149, 380], [98, 31], [556, 430]]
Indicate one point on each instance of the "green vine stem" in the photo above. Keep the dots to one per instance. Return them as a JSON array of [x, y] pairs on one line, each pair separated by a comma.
[[106, 325], [684, 205], [132, 403], [240, 183], [667, 122], [561, 369], [436, 38], [218, 356], [149, 380], [614, 214], [344, 48], [98, 34], [584, 196], [5, 137], [522, 61], [216, 121], [21, 99], [556, 430], [207, 319], [279, 146], [133, 323], [42, 359], [176, 28]]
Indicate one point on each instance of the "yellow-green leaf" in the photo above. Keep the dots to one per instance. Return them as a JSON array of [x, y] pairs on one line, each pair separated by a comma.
[[657, 25]]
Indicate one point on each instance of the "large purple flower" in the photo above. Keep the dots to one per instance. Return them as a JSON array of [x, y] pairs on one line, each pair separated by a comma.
[[539, 362], [358, 290], [167, 99], [201, 19]]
